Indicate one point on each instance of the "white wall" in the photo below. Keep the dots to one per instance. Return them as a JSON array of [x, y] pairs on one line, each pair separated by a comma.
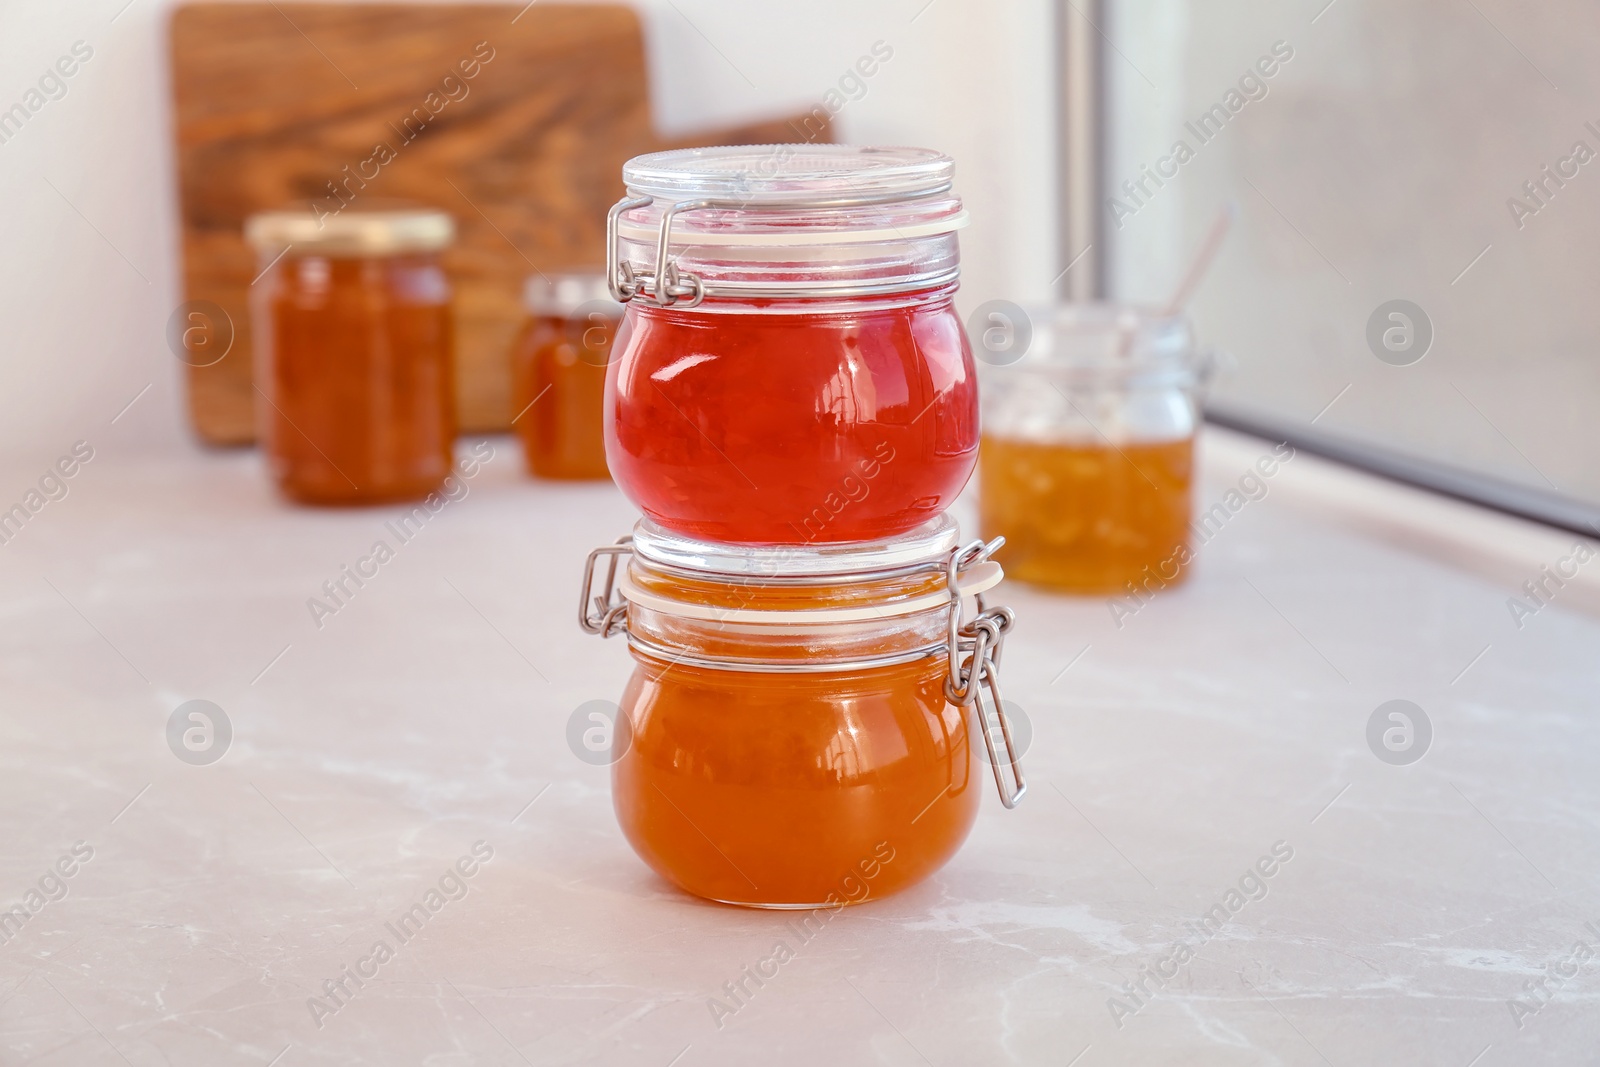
[[89, 274], [82, 325]]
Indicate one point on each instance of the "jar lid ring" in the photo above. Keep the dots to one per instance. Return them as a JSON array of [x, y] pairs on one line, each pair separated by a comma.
[[957, 220]]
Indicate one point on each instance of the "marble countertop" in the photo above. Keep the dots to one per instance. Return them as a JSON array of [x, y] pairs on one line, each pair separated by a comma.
[[1211, 752]]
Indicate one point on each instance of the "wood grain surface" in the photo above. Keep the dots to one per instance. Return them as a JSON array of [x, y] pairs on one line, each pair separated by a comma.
[[515, 120]]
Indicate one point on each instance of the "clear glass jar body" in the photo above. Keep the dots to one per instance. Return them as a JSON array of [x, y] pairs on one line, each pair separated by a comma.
[[1087, 463], [798, 374], [777, 760], [845, 424], [558, 368], [354, 367]]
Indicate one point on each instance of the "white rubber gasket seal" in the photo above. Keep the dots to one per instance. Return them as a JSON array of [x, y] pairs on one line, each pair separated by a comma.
[[978, 578], [925, 547], [683, 235]]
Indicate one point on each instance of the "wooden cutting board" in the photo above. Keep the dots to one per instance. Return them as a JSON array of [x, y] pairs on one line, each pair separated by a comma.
[[516, 120]]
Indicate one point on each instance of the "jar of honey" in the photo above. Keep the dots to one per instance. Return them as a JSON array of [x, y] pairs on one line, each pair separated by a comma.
[[352, 333], [797, 713], [791, 368], [558, 370], [1088, 450]]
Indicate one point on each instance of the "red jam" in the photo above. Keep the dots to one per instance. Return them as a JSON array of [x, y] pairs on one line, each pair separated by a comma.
[[748, 428]]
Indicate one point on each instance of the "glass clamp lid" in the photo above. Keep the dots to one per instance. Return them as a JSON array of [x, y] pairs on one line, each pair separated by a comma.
[[815, 609], [784, 221], [790, 175], [795, 585], [973, 580]]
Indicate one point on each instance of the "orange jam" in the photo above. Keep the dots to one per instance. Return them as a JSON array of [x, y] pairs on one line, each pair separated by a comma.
[[782, 790], [1087, 455], [1087, 517], [789, 721], [559, 376], [354, 354]]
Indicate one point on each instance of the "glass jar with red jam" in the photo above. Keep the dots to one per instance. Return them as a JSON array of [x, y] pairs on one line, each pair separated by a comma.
[[791, 368], [558, 373], [353, 344], [795, 728]]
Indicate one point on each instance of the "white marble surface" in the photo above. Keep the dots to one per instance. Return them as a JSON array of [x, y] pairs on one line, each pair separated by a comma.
[[430, 711]]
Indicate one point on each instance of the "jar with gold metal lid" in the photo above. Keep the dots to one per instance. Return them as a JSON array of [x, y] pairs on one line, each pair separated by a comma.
[[352, 332]]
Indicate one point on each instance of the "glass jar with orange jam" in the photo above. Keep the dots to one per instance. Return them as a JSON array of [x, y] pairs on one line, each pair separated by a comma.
[[558, 370], [1087, 461], [791, 368], [353, 347], [796, 715]]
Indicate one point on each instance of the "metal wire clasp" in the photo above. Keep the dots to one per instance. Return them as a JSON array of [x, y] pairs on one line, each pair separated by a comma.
[[667, 286], [604, 613], [974, 648]]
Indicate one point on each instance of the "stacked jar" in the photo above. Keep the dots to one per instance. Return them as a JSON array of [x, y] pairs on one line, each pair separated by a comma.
[[792, 403]]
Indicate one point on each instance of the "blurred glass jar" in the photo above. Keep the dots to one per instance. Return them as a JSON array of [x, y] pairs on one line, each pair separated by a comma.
[[559, 374], [353, 345], [1087, 459]]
